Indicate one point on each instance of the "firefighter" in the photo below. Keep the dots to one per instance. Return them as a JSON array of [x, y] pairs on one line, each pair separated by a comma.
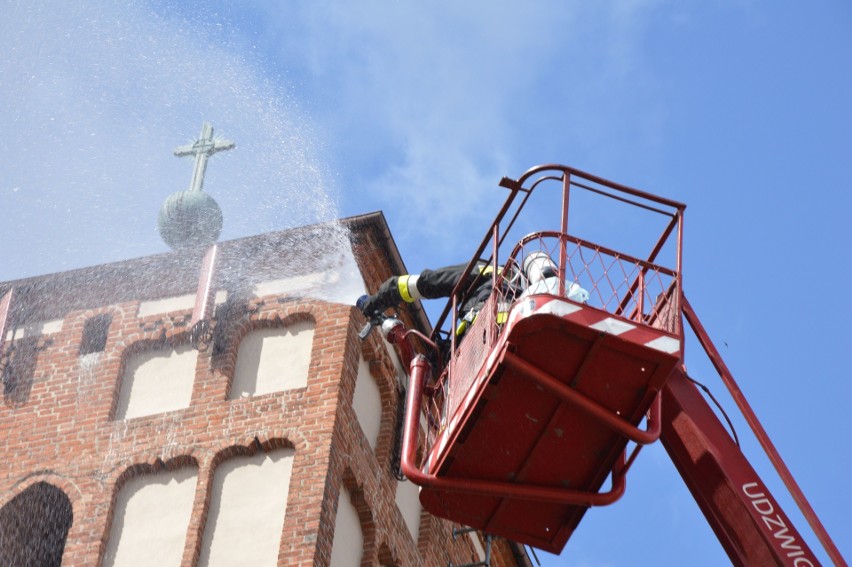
[[539, 275], [429, 284], [432, 284]]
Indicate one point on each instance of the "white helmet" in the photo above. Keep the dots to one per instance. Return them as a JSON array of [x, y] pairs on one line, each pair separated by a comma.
[[538, 266]]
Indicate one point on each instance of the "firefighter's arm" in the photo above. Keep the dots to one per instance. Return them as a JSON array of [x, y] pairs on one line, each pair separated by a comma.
[[431, 284], [408, 288]]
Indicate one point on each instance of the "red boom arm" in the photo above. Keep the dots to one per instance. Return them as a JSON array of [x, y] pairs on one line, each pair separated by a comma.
[[746, 518]]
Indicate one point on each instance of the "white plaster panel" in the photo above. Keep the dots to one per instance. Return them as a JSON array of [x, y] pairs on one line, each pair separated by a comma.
[[287, 286], [248, 505], [348, 544], [50, 327], [273, 360], [179, 303], [156, 382], [36, 329], [367, 403], [151, 519], [166, 305], [474, 539], [401, 372], [408, 502], [337, 279]]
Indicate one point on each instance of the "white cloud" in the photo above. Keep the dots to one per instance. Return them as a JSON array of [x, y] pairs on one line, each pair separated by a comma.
[[428, 102]]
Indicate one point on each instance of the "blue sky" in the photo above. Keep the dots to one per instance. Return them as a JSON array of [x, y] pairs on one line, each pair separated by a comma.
[[739, 108]]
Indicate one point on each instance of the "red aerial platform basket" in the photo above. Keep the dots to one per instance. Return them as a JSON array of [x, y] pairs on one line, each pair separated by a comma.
[[539, 401], [553, 407], [567, 371]]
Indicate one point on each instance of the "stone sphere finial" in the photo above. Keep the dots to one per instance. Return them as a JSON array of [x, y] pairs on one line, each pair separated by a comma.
[[190, 219]]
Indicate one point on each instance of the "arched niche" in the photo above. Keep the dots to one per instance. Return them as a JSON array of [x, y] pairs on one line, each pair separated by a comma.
[[34, 525], [367, 403], [151, 517], [248, 505], [158, 377], [348, 543], [273, 359]]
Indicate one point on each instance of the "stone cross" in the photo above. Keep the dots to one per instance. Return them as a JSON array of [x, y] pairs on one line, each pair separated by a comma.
[[204, 147]]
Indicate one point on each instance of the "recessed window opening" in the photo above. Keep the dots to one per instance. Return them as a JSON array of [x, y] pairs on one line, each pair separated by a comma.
[[151, 518], [157, 380], [95, 332], [348, 541], [248, 504], [34, 526], [408, 502], [367, 403], [273, 360]]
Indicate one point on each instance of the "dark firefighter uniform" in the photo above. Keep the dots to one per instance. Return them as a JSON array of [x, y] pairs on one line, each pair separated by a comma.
[[431, 284]]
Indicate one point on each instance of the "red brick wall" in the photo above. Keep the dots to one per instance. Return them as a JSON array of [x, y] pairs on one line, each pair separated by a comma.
[[57, 427], [375, 489]]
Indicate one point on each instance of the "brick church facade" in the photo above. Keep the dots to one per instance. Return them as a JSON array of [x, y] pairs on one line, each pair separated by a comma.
[[271, 445]]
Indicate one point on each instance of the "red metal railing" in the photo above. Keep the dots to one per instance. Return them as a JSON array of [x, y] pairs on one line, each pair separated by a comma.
[[595, 260], [640, 291], [637, 290]]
